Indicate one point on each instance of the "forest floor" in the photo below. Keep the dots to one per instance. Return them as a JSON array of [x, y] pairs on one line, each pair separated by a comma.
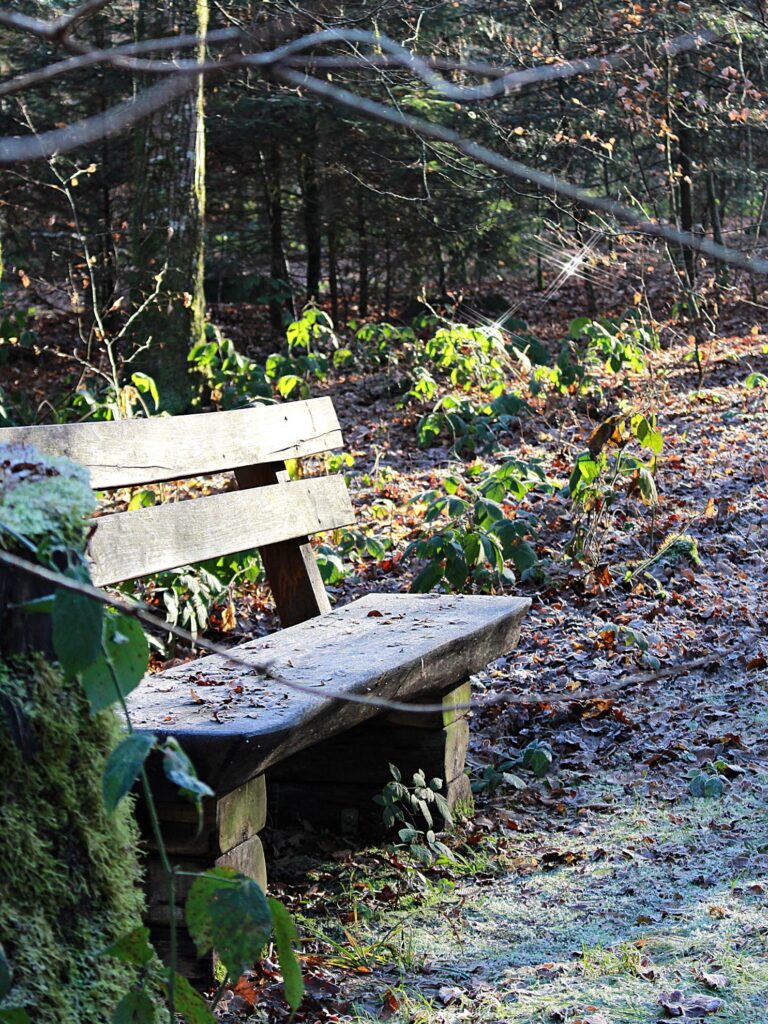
[[609, 890]]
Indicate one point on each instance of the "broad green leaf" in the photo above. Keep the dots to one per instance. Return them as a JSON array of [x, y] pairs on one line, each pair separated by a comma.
[[285, 937], [134, 947], [14, 1017], [537, 757], [229, 912], [428, 578], [523, 556], [6, 974], [189, 1004], [134, 1008], [123, 766], [128, 653], [77, 626], [180, 770]]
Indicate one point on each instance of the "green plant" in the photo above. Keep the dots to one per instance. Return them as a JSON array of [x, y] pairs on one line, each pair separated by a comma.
[[535, 758], [412, 806], [475, 537], [292, 371], [608, 471], [592, 345], [348, 544], [229, 380], [706, 782], [471, 427]]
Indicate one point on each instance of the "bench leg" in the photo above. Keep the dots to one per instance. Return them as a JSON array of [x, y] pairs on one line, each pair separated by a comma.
[[332, 784], [229, 837]]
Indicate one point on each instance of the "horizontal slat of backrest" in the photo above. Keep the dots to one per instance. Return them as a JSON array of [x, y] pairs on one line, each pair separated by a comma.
[[142, 451], [130, 544]]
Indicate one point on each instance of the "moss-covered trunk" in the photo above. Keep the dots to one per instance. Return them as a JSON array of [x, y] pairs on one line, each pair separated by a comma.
[[69, 875], [69, 872], [168, 228]]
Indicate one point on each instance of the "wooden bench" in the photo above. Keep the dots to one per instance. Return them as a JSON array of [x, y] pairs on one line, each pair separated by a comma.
[[238, 726]]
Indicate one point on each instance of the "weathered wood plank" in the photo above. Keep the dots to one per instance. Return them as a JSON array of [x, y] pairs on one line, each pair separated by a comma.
[[127, 452], [242, 813], [294, 578], [131, 544], [247, 858], [391, 645]]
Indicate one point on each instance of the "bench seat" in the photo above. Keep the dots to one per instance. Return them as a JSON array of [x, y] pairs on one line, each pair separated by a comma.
[[234, 723]]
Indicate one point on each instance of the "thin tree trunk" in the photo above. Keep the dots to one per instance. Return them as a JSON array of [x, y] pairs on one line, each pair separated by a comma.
[[278, 263], [362, 259], [312, 214], [168, 244], [685, 152], [333, 273]]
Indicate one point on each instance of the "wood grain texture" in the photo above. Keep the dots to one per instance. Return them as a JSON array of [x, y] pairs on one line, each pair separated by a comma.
[[131, 544], [392, 645], [142, 451], [294, 578]]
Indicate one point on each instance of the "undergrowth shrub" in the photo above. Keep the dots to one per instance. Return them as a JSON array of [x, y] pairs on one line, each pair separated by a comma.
[[468, 540]]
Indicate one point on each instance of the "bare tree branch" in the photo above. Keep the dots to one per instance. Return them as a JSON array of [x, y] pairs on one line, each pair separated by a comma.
[[20, 149]]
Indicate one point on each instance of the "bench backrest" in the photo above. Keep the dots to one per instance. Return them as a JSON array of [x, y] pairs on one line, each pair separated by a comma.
[[268, 511]]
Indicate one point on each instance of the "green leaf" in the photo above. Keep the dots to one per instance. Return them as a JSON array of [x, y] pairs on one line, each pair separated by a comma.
[[133, 947], [523, 556], [428, 578], [6, 974], [123, 766], [134, 1008], [189, 1004], [229, 912], [179, 769], [537, 757], [128, 653], [77, 625], [285, 937], [14, 1017]]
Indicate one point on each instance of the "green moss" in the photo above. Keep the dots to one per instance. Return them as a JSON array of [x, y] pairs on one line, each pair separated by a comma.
[[43, 498], [70, 872]]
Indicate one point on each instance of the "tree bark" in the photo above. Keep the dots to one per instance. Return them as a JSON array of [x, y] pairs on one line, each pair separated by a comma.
[[168, 242], [312, 214]]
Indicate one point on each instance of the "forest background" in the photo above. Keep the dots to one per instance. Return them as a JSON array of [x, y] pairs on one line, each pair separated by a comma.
[[249, 191]]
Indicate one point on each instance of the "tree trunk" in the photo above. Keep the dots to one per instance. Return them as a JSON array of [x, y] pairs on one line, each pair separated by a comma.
[[685, 151], [169, 249], [362, 259], [333, 273], [312, 218], [272, 165]]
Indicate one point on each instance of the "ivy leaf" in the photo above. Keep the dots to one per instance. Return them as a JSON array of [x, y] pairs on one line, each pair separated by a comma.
[[285, 937], [228, 912], [127, 650], [189, 1004], [180, 770], [134, 1008], [134, 947], [77, 625], [123, 766]]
